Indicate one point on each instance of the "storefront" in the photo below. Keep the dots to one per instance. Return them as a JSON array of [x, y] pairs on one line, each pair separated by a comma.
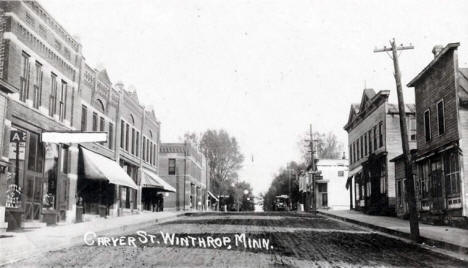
[[37, 181], [98, 180], [439, 186], [154, 189]]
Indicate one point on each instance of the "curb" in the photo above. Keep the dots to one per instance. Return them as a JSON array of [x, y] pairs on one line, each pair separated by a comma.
[[77, 240], [426, 240]]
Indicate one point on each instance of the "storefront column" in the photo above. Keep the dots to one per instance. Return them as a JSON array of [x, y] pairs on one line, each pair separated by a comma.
[[5, 128], [139, 194], [114, 210], [72, 186]]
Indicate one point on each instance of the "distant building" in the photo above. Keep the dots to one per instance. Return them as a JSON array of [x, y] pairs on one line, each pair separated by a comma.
[[186, 169], [331, 189], [441, 91], [373, 139]]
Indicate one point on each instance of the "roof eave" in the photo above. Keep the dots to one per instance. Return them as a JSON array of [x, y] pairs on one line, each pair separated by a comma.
[[447, 48]]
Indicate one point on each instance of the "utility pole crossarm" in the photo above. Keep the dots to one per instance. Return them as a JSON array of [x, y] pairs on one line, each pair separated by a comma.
[[387, 49]]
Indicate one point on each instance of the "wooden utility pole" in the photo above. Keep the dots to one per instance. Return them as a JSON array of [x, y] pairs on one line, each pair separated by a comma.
[[414, 224], [312, 160]]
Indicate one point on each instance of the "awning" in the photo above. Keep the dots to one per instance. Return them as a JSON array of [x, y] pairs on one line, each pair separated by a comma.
[[98, 167], [351, 175], [151, 179], [354, 171], [213, 196]]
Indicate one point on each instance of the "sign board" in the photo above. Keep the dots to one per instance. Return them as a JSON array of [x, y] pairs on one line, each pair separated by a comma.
[[17, 136], [17, 142], [12, 150], [73, 137]]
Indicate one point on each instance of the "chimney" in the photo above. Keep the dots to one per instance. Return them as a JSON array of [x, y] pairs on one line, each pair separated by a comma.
[[437, 49]]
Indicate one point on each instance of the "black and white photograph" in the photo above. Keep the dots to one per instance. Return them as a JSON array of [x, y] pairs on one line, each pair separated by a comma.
[[233, 133]]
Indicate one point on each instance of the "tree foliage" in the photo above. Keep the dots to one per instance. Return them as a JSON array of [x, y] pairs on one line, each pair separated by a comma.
[[280, 185], [326, 146], [223, 154]]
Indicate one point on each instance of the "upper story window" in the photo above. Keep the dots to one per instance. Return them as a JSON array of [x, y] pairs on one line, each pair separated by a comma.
[[133, 141], [350, 153], [122, 134], [100, 106], [427, 125], [365, 144], [42, 31], [375, 138], [95, 121], [369, 134], [380, 134], [111, 136], [127, 132], [340, 173], [53, 95], [37, 94], [172, 167], [440, 117], [102, 123], [84, 117], [24, 79], [63, 102], [137, 142]]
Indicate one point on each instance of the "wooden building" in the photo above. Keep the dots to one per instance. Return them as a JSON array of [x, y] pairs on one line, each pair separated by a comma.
[[373, 139], [441, 91]]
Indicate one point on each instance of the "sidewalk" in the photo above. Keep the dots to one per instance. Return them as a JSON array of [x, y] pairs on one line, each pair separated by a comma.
[[19, 245], [446, 237]]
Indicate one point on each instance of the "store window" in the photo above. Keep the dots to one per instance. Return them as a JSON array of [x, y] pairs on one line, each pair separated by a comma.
[[452, 173]]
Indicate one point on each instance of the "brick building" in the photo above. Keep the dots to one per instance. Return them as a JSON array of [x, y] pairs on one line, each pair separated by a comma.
[[186, 169], [373, 139], [441, 91], [51, 88]]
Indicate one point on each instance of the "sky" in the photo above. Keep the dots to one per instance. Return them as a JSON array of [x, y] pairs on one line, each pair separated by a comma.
[[262, 70]]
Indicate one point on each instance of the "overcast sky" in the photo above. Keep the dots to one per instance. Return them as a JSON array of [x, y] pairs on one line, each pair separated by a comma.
[[262, 70]]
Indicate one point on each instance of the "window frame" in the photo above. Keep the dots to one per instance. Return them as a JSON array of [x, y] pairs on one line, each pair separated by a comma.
[[443, 117], [171, 168], [427, 125]]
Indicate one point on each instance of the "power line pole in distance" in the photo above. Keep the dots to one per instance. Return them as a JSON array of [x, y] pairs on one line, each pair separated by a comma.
[[414, 224]]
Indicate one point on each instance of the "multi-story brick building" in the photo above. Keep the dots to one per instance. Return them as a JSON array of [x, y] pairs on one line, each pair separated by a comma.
[[52, 89], [441, 91], [373, 139], [186, 169]]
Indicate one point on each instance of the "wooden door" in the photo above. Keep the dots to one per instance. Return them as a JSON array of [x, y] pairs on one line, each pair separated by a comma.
[[437, 184], [32, 185]]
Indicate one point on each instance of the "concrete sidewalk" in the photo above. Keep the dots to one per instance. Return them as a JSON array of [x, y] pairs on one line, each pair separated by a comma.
[[446, 237], [19, 245]]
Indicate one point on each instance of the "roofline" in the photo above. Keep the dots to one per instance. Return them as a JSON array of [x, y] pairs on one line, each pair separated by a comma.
[[448, 47], [380, 93]]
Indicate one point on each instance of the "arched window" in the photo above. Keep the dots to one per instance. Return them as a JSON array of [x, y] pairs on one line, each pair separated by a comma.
[[100, 106]]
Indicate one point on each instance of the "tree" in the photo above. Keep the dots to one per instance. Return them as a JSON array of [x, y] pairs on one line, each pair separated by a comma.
[[225, 159], [326, 145]]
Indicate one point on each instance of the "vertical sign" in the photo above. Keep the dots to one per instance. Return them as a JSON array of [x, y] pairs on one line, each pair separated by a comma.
[[18, 140]]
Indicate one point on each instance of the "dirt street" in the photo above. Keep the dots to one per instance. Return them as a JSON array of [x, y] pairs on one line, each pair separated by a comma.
[[247, 240]]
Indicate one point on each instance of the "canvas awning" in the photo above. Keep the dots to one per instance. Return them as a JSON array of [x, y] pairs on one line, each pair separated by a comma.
[[213, 196], [351, 174], [151, 179], [98, 167]]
